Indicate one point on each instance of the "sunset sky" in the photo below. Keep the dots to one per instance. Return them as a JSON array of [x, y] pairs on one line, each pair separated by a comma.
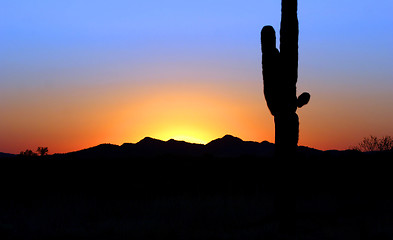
[[75, 74]]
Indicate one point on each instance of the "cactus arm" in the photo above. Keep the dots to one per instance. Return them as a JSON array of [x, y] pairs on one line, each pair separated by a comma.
[[270, 68]]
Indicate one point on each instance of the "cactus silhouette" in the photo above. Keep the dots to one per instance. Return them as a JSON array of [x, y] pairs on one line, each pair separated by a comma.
[[280, 73]]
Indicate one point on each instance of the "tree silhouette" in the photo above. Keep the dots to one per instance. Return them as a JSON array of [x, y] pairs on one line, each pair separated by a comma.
[[42, 151], [28, 153], [372, 143], [280, 72]]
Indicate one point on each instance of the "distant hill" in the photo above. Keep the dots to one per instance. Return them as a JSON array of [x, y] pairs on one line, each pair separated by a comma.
[[6, 155], [230, 146], [227, 146]]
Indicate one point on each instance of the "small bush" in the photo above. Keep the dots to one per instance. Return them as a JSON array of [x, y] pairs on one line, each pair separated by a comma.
[[42, 151], [372, 144], [28, 153]]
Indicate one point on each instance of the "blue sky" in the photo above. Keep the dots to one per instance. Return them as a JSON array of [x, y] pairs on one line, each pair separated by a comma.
[[35, 32]]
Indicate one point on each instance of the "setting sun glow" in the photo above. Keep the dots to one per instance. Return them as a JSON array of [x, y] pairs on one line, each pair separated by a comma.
[[192, 113]]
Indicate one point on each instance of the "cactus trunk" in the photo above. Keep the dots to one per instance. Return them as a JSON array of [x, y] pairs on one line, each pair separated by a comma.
[[287, 122], [280, 72]]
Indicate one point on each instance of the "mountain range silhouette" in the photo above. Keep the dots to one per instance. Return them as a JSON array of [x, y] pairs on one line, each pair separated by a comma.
[[226, 147], [6, 155]]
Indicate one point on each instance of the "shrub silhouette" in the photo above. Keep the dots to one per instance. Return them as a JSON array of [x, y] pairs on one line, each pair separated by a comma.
[[280, 72], [42, 151], [28, 153], [372, 143]]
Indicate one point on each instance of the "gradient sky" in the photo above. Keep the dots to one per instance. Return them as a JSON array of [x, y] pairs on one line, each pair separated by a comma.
[[74, 74]]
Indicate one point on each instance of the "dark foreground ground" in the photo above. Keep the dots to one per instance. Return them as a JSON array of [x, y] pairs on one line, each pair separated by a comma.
[[341, 197]]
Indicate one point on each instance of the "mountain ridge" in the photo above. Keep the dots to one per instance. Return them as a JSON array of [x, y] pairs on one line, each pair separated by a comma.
[[228, 147], [6, 155]]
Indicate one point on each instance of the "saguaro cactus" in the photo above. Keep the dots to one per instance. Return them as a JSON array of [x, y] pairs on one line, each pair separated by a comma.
[[280, 72]]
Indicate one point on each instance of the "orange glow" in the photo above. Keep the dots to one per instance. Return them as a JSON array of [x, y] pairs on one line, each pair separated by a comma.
[[77, 117], [71, 119], [191, 114]]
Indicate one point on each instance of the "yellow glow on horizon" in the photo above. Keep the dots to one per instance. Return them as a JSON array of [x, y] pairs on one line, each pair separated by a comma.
[[195, 114], [184, 134], [189, 139]]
